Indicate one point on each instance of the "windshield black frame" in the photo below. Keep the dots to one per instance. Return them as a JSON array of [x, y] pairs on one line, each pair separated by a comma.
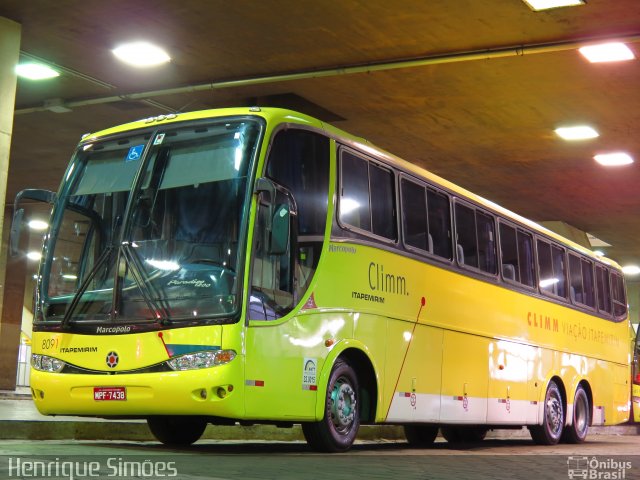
[[122, 244]]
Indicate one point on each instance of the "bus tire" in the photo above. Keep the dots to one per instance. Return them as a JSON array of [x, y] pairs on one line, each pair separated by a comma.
[[577, 431], [179, 430], [550, 431], [338, 428], [421, 435]]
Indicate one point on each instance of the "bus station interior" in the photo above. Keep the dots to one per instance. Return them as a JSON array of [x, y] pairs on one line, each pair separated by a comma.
[[471, 91]]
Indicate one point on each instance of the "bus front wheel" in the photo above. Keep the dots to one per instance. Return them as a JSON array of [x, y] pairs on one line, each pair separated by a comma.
[[177, 430], [550, 431], [338, 428]]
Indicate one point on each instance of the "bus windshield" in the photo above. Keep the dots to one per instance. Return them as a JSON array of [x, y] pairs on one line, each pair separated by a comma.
[[149, 227]]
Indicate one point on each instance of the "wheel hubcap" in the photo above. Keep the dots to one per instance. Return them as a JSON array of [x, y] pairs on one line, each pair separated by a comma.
[[554, 415], [343, 405], [580, 415]]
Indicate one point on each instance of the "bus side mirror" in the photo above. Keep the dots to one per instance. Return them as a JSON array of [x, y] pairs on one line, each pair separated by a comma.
[[280, 228], [38, 195], [279, 205]]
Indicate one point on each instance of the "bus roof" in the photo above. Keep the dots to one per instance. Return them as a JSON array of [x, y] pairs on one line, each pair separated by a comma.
[[279, 115]]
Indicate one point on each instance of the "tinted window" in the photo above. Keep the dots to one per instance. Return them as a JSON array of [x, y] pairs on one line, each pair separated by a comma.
[[466, 246], [426, 219], [439, 223], [604, 289], [525, 258], [299, 160], [354, 201], [516, 250], [552, 269], [617, 293], [382, 202], [367, 198], [575, 279], [475, 233], [509, 253], [414, 208], [587, 283]]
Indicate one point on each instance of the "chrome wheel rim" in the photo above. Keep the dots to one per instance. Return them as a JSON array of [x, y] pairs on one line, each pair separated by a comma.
[[554, 415], [343, 406]]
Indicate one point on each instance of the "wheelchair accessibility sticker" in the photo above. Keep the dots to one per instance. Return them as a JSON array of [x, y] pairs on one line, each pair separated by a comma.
[[134, 153]]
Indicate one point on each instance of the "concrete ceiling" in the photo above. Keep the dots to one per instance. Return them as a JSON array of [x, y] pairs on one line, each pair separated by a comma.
[[485, 124]]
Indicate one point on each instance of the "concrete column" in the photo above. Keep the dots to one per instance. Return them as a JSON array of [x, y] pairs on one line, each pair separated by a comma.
[[9, 324]]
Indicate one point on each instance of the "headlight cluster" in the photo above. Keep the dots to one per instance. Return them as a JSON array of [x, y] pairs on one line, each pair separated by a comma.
[[193, 361], [45, 363]]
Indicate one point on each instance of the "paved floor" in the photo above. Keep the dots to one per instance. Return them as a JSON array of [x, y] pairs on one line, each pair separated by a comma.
[[32, 442], [611, 457]]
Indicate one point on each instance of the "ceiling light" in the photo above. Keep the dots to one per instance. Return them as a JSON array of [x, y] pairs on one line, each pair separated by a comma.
[[631, 270], [613, 159], [537, 5], [607, 52], [34, 256], [35, 71], [579, 132], [141, 54]]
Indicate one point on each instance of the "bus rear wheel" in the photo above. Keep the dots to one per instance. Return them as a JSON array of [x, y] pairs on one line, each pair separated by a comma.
[[338, 428], [421, 435], [577, 431], [177, 430], [464, 434], [550, 431]]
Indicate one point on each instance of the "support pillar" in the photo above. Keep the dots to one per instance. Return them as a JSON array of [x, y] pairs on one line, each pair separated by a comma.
[[9, 321]]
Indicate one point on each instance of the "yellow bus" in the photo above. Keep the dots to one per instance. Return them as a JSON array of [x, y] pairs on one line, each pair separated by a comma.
[[256, 265]]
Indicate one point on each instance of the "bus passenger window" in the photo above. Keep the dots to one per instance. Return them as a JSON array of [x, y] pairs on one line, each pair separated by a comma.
[[552, 269], [486, 243], [587, 283], [382, 202], [476, 246], [525, 259], [439, 223], [414, 208], [354, 201], [581, 281], [559, 270], [466, 246], [604, 289], [575, 280], [367, 199], [617, 291], [509, 253]]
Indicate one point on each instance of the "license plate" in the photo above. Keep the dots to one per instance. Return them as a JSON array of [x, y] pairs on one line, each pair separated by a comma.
[[109, 393]]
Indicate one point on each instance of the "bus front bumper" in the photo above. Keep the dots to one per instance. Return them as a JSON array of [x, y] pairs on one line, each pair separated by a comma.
[[215, 391]]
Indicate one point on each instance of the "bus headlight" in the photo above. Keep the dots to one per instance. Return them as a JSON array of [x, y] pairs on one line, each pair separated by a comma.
[[44, 363], [193, 361]]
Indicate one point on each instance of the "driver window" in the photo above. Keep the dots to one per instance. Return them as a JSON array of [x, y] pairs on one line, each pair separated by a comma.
[[299, 162]]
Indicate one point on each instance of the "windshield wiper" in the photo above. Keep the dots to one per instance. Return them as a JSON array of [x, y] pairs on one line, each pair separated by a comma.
[[148, 293], [85, 285]]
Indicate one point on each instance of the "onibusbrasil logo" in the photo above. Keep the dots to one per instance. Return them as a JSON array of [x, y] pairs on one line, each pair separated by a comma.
[[590, 468]]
